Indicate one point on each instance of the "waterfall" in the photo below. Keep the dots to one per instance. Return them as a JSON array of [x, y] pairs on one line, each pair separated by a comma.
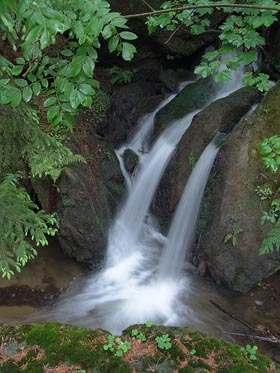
[[128, 289], [124, 235], [181, 232]]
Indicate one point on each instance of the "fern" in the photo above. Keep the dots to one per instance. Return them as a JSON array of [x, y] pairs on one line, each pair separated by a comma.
[[22, 224], [33, 148], [271, 242]]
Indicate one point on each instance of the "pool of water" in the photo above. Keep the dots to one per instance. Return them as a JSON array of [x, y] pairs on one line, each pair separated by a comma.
[[25, 297]]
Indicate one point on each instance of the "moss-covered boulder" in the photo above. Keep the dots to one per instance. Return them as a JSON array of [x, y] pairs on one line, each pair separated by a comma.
[[221, 116], [193, 97], [60, 348], [229, 248]]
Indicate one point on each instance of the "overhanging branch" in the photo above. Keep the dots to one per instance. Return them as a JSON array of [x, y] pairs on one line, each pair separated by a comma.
[[193, 7]]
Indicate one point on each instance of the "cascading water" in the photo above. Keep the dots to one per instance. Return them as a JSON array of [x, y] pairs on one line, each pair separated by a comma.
[[181, 232], [128, 289]]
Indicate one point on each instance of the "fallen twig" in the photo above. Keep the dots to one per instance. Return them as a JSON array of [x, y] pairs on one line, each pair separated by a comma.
[[272, 339]]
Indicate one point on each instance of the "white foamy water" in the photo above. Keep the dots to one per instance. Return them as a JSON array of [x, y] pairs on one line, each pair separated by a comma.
[[180, 236], [128, 289]]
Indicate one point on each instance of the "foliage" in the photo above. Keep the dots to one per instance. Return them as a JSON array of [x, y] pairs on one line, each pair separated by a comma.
[[138, 335], [38, 154], [115, 344], [270, 150], [250, 351], [232, 237], [240, 34], [121, 76], [272, 241], [55, 48], [163, 342], [50, 51], [20, 218]]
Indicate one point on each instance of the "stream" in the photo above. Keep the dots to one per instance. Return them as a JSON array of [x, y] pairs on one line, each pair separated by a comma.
[[144, 276]]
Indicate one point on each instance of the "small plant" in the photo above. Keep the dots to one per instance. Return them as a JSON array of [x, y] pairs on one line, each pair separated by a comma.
[[116, 345], [232, 237], [138, 335], [110, 345], [122, 347], [250, 351], [192, 160], [263, 193], [163, 341], [193, 351], [121, 76], [149, 324], [270, 149]]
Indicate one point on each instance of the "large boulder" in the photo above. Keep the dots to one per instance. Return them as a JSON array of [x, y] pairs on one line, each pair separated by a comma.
[[88, 195], [221, 116], [229, 247]]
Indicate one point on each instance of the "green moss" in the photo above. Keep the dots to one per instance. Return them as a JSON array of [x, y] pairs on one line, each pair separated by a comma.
[[52, 345]]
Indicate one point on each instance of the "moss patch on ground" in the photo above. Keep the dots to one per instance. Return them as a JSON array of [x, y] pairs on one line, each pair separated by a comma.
[[54, 347]]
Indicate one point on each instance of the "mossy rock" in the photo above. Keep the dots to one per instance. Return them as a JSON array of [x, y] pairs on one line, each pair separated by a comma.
[[220, 116], [54, 347], [233, 235], [193, 97]]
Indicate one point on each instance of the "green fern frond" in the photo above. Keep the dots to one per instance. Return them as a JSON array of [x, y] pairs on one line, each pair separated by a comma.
[[271, 242], [20, 221]]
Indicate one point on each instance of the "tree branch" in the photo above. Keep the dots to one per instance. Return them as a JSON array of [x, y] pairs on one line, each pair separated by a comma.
[[148, 5], [191, 7]]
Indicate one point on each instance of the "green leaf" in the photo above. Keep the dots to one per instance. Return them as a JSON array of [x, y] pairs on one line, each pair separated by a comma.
[[67, 53], [75, 99], [21, 82], [113, 43], [27, 94], [16, 70], [75, 68], [88, 67], [95, 26], [36, 87], [86, 89], [52, 112], [16, 98], [127, 35], [4, 82], [128, 51], [45, 38], [20, 60], [50, 101]]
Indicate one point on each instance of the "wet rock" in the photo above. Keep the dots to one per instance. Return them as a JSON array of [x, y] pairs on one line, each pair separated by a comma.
[[22, 295], [128, 103], [88, 195], [170, 79], [221, 116], [193, 97], [233, 233], [130, 160]]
